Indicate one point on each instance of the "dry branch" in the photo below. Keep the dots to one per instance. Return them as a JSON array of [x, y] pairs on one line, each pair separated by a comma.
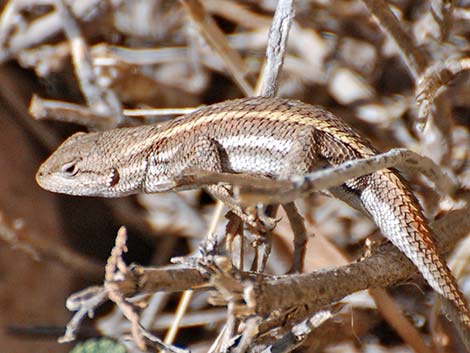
[[218, 42], [276, 49], [101, 100], [385, 268], [433, 82], [41, 108], [255, 189], [412, 56], [264, 294], [39, 30]]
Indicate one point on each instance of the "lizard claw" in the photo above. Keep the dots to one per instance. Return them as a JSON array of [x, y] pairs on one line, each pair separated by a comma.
[[262, 223], [266, 223]]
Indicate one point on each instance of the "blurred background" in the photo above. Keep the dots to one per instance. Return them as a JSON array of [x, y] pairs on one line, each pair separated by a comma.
[[92, 65]]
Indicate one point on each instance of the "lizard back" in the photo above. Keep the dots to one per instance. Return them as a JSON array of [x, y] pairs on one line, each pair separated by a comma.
[[271, 137]]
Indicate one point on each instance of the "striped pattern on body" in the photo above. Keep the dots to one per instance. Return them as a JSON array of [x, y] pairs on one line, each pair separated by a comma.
[[259, 136]]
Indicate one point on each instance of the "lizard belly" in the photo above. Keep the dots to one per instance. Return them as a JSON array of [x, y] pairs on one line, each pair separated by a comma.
[[262, 155]]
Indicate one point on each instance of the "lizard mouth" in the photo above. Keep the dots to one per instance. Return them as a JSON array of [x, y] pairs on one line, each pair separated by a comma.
[[52, 183], [47, 180], [42, 180]]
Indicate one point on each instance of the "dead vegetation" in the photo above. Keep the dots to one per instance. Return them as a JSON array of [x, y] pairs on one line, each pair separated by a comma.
[[394, 70]]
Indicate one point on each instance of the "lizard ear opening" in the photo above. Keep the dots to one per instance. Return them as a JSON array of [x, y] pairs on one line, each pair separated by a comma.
[[114, 178]]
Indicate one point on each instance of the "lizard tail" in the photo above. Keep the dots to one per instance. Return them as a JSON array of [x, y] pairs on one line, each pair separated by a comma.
[[398, 215]]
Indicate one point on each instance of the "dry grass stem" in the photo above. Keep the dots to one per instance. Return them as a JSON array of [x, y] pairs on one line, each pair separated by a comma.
[[275, 52], [217, 41], [434, 81], [412, 56], [297, 224], [157, 112], [41, 108], [299, 333], [100, 99]]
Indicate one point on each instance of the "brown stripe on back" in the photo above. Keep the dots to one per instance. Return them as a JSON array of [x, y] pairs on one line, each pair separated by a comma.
[[274, 110]]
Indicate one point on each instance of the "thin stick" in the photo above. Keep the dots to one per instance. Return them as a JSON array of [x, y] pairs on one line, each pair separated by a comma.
[[386, 267], [101, 100], [216, 216], [254, 189], [217, 40], [238, 13], [187, 295], [433, 81], [275, 52], [297, 335], [180, 312], [38, 31], [42, 109], [443, 11], [297, 225], [412, 56], [158, 111], [84, 303]]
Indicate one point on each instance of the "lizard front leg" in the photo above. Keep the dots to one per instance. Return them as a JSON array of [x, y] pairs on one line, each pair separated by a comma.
[[206, 154]]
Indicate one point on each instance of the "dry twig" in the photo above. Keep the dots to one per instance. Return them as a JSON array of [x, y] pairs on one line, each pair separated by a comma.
[[433, 82], [254, 189]]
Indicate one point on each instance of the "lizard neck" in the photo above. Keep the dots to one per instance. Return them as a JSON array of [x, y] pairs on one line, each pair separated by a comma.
[[131, 154]]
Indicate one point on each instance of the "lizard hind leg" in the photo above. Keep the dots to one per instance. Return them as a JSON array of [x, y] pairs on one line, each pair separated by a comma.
[[301, 161], [303, 157]]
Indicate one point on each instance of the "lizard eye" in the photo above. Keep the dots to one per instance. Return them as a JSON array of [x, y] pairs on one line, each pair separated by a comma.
[[69, 169]]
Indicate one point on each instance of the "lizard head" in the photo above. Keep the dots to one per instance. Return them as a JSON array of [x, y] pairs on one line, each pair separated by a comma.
[[83, 165]]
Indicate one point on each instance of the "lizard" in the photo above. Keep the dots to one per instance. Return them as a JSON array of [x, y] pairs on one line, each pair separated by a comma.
[[260, 136]]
